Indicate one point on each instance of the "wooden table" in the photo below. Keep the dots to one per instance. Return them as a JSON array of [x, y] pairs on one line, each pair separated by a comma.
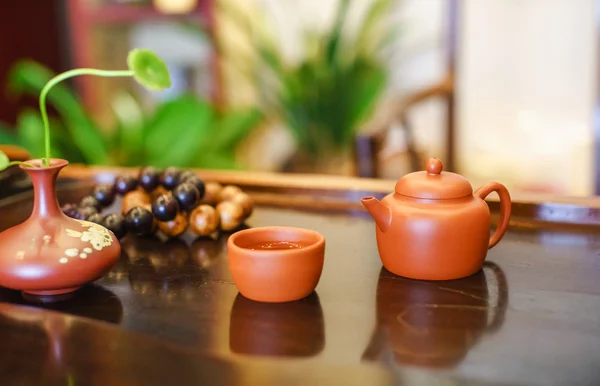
[[169, 313]]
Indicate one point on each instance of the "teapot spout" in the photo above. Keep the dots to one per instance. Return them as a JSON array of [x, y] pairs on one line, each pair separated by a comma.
[[380, 213]]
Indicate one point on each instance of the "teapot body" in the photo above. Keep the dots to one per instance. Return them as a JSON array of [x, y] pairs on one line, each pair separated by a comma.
[[435, 239]]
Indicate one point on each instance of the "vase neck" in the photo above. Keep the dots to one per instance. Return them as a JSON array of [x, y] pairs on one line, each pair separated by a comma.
[[45, 203]]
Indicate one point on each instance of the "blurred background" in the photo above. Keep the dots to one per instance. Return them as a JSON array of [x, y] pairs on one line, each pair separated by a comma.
[[499, 89]]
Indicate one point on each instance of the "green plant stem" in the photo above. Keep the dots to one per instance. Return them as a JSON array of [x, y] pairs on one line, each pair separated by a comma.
[[59, 78], [20, 163]]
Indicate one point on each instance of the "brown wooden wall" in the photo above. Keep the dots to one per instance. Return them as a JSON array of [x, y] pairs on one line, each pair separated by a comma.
[[28, 29]]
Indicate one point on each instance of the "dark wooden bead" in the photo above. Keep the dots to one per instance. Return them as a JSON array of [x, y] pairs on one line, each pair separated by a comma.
[[90, 201], [115, 223], [125, 184], [165, 207], [105, 194], [198, 183], [149, 178], [84, 212], [70, 210], [187, 196], [169, 178], [96, 218], [139, 221]]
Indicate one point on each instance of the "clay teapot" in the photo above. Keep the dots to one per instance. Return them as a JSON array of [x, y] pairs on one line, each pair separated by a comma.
[[434, 227]]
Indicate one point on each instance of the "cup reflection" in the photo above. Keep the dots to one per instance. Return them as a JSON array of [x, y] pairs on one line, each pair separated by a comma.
[[435, 323], [293, 329]]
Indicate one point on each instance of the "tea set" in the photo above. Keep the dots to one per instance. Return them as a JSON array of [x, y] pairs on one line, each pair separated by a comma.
[[432, 227]]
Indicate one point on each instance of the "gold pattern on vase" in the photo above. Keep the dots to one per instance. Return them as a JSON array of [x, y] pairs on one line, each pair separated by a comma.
[[98, 236]]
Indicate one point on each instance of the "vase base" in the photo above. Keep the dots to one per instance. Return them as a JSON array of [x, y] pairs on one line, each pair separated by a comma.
[[49, 296]]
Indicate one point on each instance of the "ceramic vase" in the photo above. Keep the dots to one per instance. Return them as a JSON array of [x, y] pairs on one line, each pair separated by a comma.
[[51, 253]]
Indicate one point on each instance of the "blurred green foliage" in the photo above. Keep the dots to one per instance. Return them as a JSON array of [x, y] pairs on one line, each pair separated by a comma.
[[325, 96], [186, 131]]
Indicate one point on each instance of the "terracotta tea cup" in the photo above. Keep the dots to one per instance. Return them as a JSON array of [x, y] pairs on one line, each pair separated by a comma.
[[276, 264]]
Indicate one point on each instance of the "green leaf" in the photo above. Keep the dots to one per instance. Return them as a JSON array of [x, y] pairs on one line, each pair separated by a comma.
[[269, 57], [233, 128], [387, 40], [8, 136], [334, 39], [178, 130], [63, 145], [372, 21], [219, 161], [127, 138], [369, 84], [29, 128], [4, 161], [148, 69], [29, 124]]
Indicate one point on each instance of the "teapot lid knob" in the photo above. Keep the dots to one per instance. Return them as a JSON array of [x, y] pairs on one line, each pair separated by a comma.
[[433, 184], [434, 166]]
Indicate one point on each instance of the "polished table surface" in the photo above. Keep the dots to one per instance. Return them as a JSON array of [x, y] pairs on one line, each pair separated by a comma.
[[169, 313]]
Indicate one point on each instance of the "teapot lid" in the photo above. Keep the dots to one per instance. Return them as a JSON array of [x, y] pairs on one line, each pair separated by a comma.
[[434, 184]]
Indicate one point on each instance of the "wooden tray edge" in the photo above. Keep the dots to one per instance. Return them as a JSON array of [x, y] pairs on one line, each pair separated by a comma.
[[324, 192]]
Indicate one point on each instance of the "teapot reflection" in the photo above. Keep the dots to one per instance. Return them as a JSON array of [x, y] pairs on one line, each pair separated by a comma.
[[435, 323], [293, 329]]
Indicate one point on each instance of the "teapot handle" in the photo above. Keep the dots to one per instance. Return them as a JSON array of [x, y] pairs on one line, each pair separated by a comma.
[[505, 207]]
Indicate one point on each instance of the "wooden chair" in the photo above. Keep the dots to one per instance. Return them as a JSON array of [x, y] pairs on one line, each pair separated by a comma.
[[370, 140]]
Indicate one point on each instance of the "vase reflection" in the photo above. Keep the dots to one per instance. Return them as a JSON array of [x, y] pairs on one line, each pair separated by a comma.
[[435, 323], [91, 301], [43, 346], [292, 329]]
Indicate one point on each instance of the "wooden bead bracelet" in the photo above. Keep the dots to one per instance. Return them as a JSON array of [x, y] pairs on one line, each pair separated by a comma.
[[170, 203]]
